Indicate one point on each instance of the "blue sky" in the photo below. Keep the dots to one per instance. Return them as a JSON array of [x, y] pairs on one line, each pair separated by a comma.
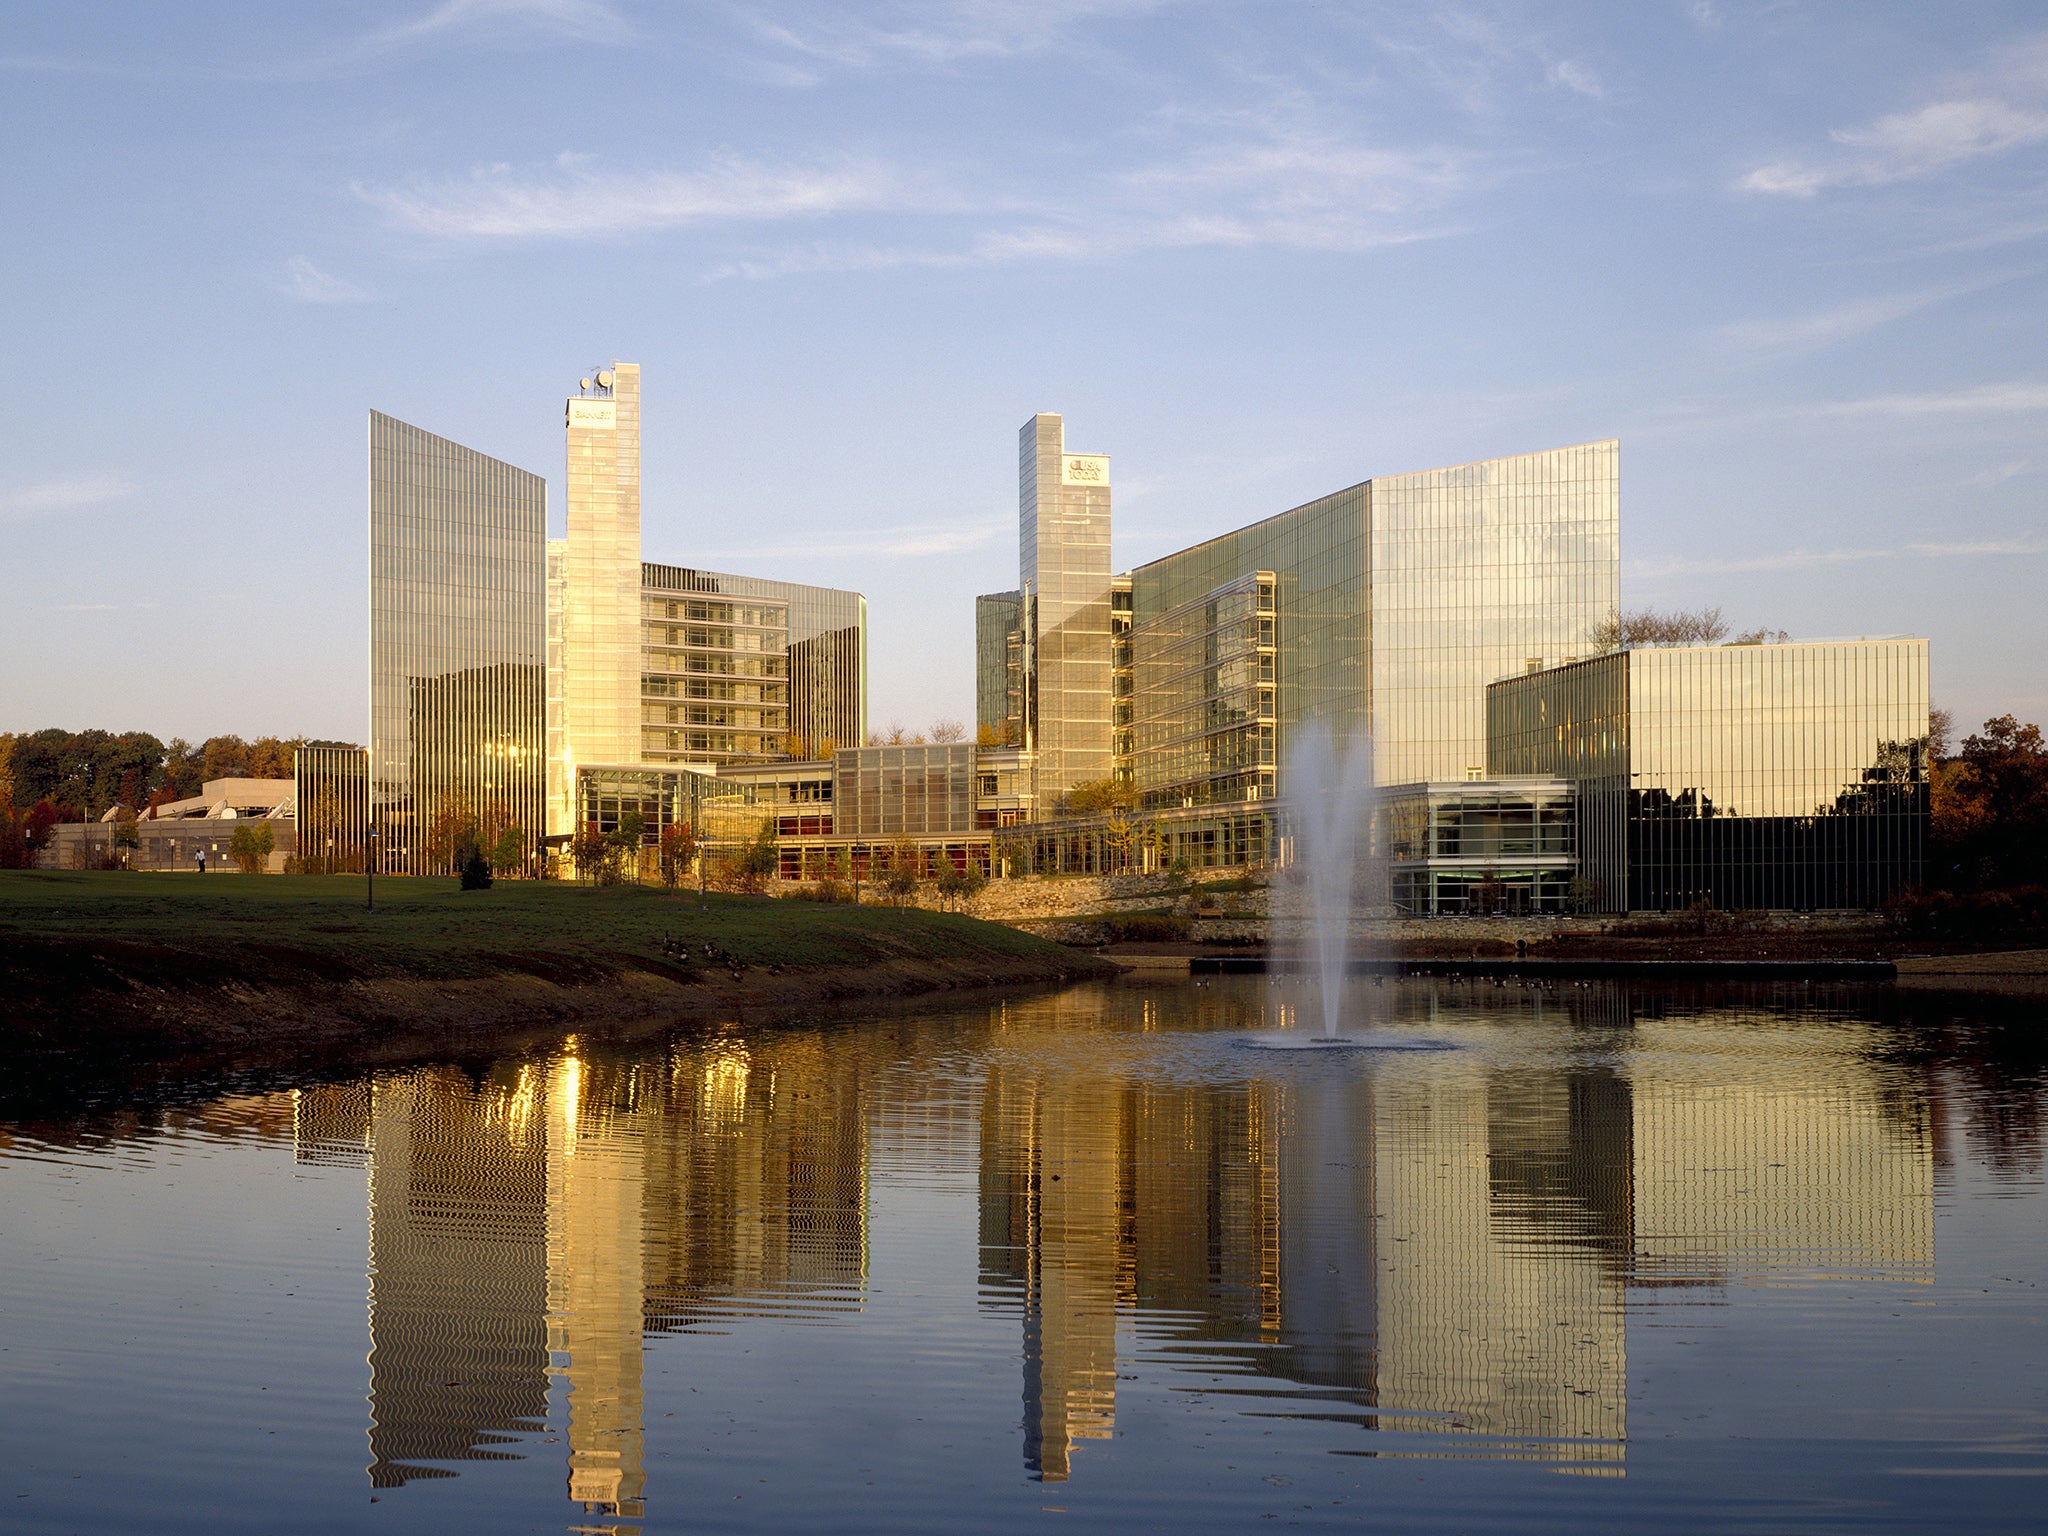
[[1792, 255]]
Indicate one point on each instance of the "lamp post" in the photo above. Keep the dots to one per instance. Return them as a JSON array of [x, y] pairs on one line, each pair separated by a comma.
[[370, 870]]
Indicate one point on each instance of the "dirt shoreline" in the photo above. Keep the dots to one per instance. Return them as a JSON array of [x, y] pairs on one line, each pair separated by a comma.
[[67, 1006]]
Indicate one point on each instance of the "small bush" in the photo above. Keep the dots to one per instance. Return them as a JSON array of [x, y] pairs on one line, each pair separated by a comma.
[[827, 891], [1971, 916], [1147, 928], [475, 869]]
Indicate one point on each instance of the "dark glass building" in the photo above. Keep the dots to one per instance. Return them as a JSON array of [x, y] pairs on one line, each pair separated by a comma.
[[1744, 776]]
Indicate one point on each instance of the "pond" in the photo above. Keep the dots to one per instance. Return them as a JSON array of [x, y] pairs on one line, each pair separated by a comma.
[[1591, 1258]]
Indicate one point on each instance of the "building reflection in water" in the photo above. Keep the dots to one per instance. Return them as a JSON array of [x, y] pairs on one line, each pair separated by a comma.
[[1439, 1250], [529, 1226]]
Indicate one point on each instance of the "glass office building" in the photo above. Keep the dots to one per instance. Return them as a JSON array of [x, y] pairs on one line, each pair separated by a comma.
[[1398, 600], [601, 594], [1391, 605], [457, 644], [1199, 700], [738, 669], [331, 796], [887, 792], [1063, 508], [1477, 847], [1743, 776], [999, 668]]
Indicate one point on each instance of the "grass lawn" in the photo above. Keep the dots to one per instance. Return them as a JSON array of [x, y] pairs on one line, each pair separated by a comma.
[[433, 928]]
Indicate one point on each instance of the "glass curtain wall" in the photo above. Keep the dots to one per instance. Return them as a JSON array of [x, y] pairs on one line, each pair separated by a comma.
[[1204, 690], [331, 796], [738, 669], [998, 657], [1756, 776], [904, 791], [1480, 572], [457, 646], [1064, 513]]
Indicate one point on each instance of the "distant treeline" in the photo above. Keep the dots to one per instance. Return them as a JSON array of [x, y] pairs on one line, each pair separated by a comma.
[[1990, 808], [83, 773]]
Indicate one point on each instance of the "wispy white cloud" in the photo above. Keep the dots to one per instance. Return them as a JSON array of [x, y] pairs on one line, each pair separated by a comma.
[[68, 495], [1842, 322], [1980, 400], [1575, 76], [1998, 474], [1271, 180], [2002, 107], [905, 541], [591, 21], [309, 285], [929, 32], [572, 200], [1816, 559]]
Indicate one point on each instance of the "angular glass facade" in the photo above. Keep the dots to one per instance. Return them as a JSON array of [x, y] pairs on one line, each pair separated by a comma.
[[1745, 776], [457, 644], [1479, 572], [1201, 698], [737, 669], [1063, 506], [999, 668], [1398, 600]]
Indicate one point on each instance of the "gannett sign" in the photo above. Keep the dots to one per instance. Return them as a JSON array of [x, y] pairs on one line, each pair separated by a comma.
[[594, 413]]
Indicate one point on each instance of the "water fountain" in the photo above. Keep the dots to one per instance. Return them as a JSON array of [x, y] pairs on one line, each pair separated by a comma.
[[1329, 817]]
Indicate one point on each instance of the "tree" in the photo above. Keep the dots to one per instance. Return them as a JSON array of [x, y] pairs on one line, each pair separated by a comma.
[[251, 845], [944, 731], [474, 869], [621, 857], [1119, 837], [1989, 809], [1647, 627], [899, 880], [126, 837], [762, 857], [591, 853], [14, 849], [224, 757], [1485, 894], [1941, 728], [1093, 795], [38, 826], [453, 825], [678, 848], [1761, 637], [508, 853]]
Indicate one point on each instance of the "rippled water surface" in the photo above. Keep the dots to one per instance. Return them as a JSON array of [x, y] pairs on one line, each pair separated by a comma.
[[1745, 1261]]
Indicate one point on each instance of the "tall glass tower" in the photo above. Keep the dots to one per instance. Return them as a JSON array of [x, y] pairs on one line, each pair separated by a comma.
[[1063, 512], [457, 645], [599, 591]]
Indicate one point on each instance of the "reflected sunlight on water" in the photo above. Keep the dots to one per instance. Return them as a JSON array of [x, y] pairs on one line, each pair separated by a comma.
[[834, 1271]]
